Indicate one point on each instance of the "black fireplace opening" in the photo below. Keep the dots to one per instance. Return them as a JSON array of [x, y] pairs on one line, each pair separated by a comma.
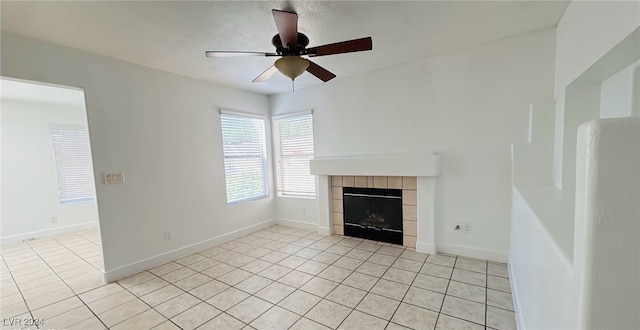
[[373, 213]]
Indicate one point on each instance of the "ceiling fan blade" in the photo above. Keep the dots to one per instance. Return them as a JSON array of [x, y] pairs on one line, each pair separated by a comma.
[[266, 74], [232, 53], [356, 45], [320, 72], [287, 24]]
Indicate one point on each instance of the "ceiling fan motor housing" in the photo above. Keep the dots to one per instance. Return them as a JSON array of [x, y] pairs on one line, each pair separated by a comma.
[[303, 41]]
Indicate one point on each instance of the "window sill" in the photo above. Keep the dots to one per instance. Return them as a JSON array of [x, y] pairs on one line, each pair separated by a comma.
[[297, 197], [247, 200]]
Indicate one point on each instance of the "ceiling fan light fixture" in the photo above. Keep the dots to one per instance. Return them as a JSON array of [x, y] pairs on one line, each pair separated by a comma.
[[292, 66]]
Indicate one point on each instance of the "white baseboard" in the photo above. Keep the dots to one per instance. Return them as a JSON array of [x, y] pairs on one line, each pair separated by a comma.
[[47, 233], [298, 224], [426, 247], [472, 252], [326, 231], [516, 299], [148, 263]]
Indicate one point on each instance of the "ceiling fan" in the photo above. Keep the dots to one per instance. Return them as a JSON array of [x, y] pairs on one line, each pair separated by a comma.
[[291, 46]]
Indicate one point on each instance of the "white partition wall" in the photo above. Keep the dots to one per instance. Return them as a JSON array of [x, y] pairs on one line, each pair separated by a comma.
[[607, 224], [574, 255]]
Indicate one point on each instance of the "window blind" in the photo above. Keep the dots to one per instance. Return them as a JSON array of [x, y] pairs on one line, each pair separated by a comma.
[[245, 162], [72, 160], [293, 144]]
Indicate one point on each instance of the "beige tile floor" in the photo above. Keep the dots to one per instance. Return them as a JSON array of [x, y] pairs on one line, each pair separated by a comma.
[[277, 278]]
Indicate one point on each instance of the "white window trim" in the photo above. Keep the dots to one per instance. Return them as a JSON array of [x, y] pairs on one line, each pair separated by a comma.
[[242, 114], [292, 114], [265, 148], [276, 156]]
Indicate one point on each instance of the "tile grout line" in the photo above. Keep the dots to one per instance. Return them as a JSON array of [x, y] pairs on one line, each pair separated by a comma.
[[338, 283], [79, 256], [299, 288], [287, 254], [295, 289], [455, 261], [74, 293], [352, 271], [230, 286], [24, 300], [409, 288], [486, 295], [114, 307], [172, 284], [55, 271], [368, 291], [466, 299]]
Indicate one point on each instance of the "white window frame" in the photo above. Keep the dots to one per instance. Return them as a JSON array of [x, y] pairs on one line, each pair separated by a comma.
[[288, 175], [235, 160], [72, 163]]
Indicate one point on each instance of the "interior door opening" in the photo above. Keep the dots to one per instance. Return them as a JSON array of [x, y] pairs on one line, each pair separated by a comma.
[[48, 195]]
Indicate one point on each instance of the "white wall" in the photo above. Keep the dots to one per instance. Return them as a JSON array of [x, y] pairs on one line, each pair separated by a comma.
[[30, 202], [586, 32], [635, 104], [464, 104], [299, 212], [607, 235], [541, 275], [617, 96], [163, 131], [532, 159], [595, 40]]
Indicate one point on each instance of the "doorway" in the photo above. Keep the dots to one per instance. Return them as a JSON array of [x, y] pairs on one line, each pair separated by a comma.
[[47, 178]]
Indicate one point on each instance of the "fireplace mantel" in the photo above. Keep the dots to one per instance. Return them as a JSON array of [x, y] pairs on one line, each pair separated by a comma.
[[419, 164], [424, 166]]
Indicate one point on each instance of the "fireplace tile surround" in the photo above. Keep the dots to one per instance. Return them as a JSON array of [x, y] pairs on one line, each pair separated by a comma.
[[414, 172], [408, 185]]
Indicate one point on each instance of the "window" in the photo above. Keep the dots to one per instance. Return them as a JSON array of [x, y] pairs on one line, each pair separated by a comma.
[[293, 143], [245, 157], [72, 159]]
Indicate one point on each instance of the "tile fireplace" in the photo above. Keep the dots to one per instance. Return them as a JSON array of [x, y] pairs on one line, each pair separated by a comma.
[[413, 174], [373, 207]]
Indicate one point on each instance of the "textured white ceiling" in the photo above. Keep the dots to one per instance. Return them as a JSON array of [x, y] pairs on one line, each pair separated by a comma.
[[173, 35]]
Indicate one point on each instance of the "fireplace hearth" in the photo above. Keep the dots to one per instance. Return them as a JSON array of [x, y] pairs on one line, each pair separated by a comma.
[[373, 213]]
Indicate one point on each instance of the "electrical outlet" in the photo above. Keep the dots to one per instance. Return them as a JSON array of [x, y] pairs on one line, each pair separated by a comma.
[[114, 177], [303, 210], [462, 227], [168, 235], [54, 219]]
